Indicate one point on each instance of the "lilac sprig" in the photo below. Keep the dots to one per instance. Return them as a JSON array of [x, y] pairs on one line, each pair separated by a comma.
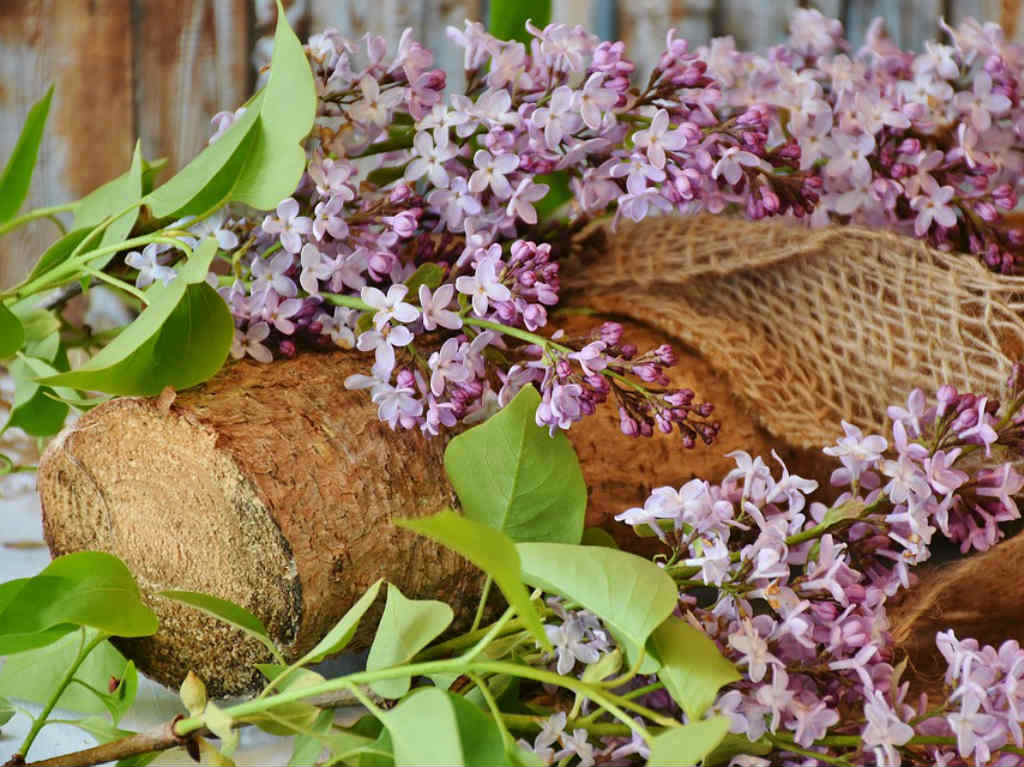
[[801, 587], [451, 195]]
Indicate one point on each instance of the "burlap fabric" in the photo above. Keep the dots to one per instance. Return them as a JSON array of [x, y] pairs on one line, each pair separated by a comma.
[[812, 326]]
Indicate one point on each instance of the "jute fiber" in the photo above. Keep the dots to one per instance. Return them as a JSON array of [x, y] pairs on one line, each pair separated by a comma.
[[812, 325]]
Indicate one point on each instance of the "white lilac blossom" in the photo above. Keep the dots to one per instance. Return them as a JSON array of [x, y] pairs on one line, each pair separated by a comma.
[[794, 590], [443, 197]]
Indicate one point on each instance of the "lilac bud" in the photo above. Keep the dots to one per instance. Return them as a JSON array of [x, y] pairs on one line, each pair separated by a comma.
[[611, 333], [316, 328], [627, 424], [909, 146], [405, 379], [506, 310], [680, 398], [563, 369], [535, 316], [667, 355], [646, 429], [987, 211], [287, 348], [647, 372], [400, 193], [663, 423], [598, 384], [628, 351], [527, 278], [705, 409]]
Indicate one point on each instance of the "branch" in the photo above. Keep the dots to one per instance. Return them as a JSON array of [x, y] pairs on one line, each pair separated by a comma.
[[161, 738]]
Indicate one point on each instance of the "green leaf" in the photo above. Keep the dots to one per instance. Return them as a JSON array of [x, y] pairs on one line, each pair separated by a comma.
[[508, 18], [632, 595], [688, 744], [110, 199], [511, 476], [38, 323], [35, 408], [181, 339], [58, 253], [228, 612], [406, 627], [597, 536], [78, 589], [206, 182], [490, 550], [733, 745], [288, 718], [693, 669], [424, 730], [33, 676], [17, 175], [482, 742], [278, 160], [12, 334], [379, 753], [7, 711], [558, 193], [429, 274], [223, 726], [307, 748], [339, 636]]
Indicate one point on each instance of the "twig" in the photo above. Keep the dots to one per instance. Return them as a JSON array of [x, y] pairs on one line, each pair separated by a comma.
[[159, 739]]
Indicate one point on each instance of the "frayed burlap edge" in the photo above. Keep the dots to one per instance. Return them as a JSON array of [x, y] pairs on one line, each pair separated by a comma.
[[812, 326]]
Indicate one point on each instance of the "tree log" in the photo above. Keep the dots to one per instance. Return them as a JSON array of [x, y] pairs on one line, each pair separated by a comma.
[[273, 486]]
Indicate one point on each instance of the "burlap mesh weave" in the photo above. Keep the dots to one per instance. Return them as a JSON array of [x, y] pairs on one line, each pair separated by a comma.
[[812, 326]]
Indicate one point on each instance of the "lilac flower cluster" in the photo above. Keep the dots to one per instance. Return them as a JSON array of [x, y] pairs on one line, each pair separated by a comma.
[[430, 229], [928, 145], [801, 587]]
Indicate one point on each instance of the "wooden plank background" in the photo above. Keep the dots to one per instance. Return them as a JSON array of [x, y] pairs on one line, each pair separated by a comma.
[[158, 70]]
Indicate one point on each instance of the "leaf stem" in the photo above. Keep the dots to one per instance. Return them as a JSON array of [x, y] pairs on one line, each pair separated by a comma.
[[484, 594], [32, 215], [40, 721]]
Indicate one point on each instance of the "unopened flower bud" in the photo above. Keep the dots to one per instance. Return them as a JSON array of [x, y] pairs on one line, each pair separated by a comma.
[[193, 694]]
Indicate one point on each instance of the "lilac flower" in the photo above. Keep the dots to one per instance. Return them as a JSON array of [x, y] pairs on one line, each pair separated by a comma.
[[933, 206], [981, 431], [149, 269], [389, 307], [338, 327], [446, 365], [376, 105], [594, 100], [272, 275], [434, 308], [251, 343], [656, 139], [522, 199], [278, 313], [753, 651], [885, 729], [577, 745], [456, 203], [552, 729], [394, 403], [350, 273], [491, 172], [558, 118], [981, 103], [431, 155], [383, 343], [730, 165], [315, 268], [570, 646], [484, 286], [327, 221], [850, 157], [812, 722], [213, 226], [289, 226]]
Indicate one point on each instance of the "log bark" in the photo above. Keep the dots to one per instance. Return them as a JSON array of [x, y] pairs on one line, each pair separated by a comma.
[[274, 487]]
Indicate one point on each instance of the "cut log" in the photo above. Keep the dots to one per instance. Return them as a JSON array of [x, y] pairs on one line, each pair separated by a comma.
[[274, 487]]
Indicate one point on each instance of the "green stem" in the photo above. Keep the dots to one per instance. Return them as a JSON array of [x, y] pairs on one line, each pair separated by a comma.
[[32, 215], [492, 704], [530, 723], [487, 638], [786, 745], [483, 603], [99, 274], [37, 724]]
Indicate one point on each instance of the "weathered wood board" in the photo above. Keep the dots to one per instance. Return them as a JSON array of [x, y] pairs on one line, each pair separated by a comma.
[[158, 70]]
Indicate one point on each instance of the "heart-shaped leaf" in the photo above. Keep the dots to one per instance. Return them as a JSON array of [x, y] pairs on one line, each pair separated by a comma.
[[406, 627], [693, 670], [181, 339], [339, 636], [632, 595], [424, 730], [75, 589], [512, 476], [688, 744]]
